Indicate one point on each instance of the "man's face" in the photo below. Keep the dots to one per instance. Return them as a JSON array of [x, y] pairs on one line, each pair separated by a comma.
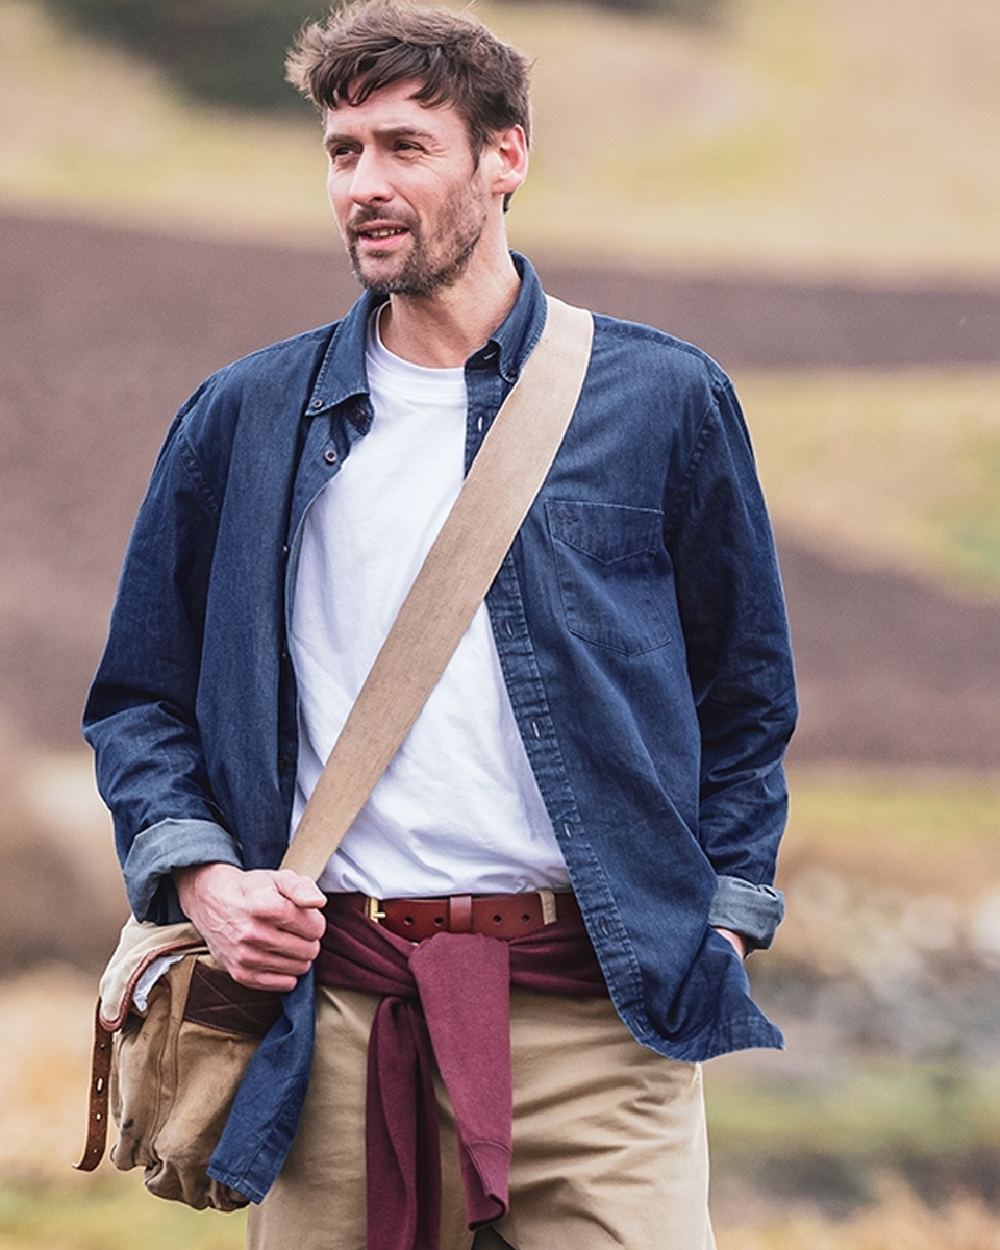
[[406, 191]]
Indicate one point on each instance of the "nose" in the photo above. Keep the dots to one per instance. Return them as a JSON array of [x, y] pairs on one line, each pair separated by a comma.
[[369, 181]]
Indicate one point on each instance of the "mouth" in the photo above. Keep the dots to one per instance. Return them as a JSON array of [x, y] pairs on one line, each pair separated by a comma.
[[376, 237]]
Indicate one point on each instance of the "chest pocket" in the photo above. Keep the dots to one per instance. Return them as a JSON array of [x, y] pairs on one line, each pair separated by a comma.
[[605, 567]]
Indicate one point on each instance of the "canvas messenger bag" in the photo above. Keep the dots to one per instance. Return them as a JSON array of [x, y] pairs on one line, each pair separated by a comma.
[[173, 1032]]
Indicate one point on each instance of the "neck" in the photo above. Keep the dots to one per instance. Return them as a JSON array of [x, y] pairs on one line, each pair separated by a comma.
[[441, 331]]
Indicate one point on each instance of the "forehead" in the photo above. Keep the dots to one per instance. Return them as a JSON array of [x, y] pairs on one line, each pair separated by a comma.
[[394, 108]]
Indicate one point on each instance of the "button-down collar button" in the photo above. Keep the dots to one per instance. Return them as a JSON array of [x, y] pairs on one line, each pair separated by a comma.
[[330, 456], [316, 403], [286, 551]]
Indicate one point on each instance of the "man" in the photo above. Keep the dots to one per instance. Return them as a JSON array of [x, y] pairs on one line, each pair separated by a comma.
[[607, 736]]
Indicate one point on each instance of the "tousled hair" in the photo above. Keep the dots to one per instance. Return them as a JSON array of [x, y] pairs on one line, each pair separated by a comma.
[[365, 45]]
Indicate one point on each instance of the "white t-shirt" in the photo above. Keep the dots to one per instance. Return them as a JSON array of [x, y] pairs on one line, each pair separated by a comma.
[[458, 810]]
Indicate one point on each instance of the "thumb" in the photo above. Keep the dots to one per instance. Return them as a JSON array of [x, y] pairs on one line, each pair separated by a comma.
[[300, 890]]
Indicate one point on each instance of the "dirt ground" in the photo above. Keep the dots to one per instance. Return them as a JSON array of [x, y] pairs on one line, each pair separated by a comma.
[[105, 331]]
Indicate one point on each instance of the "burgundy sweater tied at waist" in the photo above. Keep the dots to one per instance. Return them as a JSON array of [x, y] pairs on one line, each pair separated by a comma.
[[445, 1000]]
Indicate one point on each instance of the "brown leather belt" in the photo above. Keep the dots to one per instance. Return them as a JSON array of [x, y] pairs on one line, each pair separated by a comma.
[[497, 915]]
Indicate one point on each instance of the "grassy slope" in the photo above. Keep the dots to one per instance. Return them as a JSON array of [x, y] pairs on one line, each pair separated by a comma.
[[792, 135], [899, 468], [105, 1217]]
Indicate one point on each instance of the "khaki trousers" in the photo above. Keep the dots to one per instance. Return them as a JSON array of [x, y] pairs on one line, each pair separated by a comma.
[[609, 1139]]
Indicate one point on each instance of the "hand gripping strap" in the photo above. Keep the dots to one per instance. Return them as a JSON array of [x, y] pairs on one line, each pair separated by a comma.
[[501, 486]]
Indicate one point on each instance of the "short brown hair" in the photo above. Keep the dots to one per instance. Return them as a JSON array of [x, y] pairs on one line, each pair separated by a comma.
[[376, 43]]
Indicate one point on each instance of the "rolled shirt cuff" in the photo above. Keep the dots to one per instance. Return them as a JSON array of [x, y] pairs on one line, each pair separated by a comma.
[[161, 848], [755, 911]]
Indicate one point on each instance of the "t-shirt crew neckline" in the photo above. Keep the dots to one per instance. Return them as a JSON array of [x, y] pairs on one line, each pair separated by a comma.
[[417, 383]]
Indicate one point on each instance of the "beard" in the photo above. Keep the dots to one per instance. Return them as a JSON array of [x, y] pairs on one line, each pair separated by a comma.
[[426, 269]]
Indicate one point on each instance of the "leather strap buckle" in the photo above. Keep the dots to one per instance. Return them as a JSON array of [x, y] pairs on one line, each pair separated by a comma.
[[373, 910]]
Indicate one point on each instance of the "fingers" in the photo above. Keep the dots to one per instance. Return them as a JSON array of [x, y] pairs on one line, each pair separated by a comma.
[[265, 970], [266, 958], [262, 926], [272, 982], [302, 891], [267, 981], [304, 918]]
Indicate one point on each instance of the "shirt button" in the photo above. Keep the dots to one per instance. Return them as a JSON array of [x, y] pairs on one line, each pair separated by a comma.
[[316, 403], [330, 456]]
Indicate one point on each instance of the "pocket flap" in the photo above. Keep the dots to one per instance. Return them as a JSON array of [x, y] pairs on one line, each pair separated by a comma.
[[604, 531], [139, 944], [216, 1001]]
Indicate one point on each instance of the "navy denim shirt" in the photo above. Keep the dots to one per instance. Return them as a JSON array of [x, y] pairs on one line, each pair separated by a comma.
[[641, 629]]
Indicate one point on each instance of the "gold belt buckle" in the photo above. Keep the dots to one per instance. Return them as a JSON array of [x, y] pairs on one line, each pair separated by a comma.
[[373, 910]]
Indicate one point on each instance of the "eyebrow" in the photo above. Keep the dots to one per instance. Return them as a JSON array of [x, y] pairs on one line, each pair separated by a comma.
[[333, 138]]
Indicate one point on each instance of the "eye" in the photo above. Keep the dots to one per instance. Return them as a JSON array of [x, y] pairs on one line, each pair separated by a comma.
[[339, 152]]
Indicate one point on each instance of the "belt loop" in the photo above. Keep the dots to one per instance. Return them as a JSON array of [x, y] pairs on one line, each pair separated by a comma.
[[548, 900], [460, 913]]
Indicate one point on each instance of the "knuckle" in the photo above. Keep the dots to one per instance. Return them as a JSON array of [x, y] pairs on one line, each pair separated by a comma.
[[268, 907], [243, 931]]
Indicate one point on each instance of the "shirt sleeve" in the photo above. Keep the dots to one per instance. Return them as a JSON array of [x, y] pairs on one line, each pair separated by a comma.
[[140, 715], [740, 664]]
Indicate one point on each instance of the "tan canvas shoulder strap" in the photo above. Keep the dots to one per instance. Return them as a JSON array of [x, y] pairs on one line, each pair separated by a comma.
[[505, 477]]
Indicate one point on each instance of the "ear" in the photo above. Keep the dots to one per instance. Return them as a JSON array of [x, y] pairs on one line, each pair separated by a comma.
[[507, 157]]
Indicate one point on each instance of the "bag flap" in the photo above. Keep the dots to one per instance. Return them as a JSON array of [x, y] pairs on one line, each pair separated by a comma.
[[140, 943]]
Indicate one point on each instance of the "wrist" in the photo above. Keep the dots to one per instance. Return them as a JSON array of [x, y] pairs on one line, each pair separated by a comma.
[[736, 940], [190, 880]]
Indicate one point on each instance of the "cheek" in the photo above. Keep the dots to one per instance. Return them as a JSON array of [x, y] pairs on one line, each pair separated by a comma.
[[338, 206]]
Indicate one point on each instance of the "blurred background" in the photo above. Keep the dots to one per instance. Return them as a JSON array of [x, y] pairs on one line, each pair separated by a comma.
[[811, 192]]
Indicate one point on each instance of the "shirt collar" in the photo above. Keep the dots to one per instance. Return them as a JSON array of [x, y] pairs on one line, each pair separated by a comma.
[[342, 374], [514, 339]]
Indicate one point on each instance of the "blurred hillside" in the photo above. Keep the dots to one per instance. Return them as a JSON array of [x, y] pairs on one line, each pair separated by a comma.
[[843, 137], [225, 52]]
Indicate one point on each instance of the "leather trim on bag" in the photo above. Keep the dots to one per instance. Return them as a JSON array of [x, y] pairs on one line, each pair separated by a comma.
[[216, 1001]]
